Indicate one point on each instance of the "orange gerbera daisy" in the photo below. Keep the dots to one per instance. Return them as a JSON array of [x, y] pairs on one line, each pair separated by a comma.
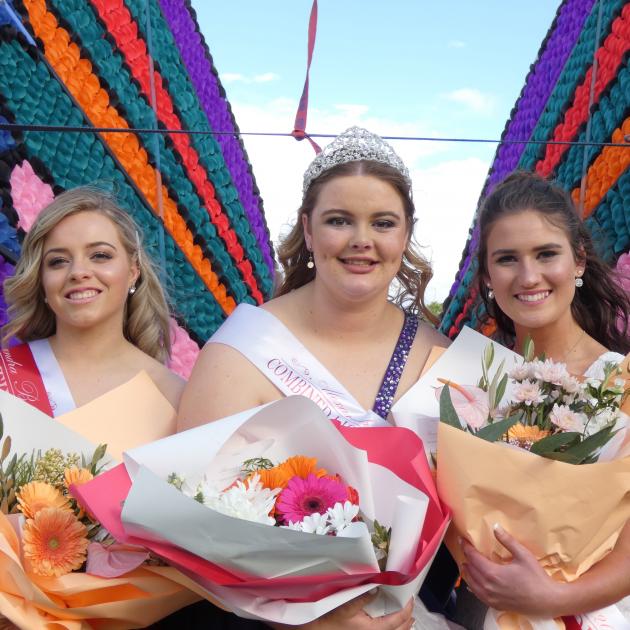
[[297, 466], [525, 436], [36, 495], [54, 542], [76, 476]]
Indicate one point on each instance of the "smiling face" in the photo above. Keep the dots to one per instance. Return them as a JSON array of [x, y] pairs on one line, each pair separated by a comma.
[[357, 233], [86, 272], [531, 269]]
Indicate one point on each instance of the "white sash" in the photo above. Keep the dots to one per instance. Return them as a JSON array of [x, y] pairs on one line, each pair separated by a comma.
[[267, 343], [59, 394]]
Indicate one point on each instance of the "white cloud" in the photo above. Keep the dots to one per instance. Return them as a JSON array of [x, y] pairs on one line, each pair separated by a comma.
[[231, 77], [266, 77], [446, 196], [456, 43], [472, 98], [236, 77], [445, 193]]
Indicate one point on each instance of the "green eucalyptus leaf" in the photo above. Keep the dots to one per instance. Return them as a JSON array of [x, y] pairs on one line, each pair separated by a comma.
[[554, 442], [500, 391], [528, 349], [493, 432], [448, 415]]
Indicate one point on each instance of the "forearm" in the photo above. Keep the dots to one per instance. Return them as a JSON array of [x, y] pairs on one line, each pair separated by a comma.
[[605, 583]]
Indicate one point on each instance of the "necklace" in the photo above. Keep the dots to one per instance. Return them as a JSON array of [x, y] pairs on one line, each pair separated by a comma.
[[574, 346]]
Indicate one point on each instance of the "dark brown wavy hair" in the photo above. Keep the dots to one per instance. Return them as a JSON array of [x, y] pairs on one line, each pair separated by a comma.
[[415, 270], [601, 307]]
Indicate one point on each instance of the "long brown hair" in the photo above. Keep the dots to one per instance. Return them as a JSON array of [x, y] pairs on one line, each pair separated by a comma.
[[415, 271], [600, 307]]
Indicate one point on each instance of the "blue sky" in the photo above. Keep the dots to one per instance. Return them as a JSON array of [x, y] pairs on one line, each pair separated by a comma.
[[403, 67]]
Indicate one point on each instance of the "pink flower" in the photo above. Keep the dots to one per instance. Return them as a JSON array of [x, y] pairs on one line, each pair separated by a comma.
[[551, 372], [313, 495], [528, 392], [567, 420], [29, 193], [470, 403], [184, 351], [623, 271]]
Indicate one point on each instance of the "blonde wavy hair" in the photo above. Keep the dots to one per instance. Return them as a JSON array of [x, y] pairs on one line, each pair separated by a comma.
[[415, 270], [146, 318]]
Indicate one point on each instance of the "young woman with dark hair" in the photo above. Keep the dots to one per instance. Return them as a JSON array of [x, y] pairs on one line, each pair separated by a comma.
[[539, 275]]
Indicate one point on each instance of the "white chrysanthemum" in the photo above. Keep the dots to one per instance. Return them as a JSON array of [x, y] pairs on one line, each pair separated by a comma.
[[316, 524], [568, 420], [550, 372], [342, 514], [519, 372], [528, 392], [250, 502], [313, 524]]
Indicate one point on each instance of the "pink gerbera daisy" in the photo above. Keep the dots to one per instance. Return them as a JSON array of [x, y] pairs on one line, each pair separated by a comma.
[[303, 497]]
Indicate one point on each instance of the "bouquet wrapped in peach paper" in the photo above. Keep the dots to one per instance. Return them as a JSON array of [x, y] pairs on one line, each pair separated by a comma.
[[57, 566], [508, 451]]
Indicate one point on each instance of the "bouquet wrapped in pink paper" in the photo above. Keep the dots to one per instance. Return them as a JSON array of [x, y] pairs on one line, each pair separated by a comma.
[[291, 536]]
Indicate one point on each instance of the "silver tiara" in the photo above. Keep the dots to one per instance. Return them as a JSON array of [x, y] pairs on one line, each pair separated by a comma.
[[352, 145]]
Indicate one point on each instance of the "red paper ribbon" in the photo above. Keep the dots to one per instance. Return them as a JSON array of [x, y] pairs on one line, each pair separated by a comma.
[[299, 126]]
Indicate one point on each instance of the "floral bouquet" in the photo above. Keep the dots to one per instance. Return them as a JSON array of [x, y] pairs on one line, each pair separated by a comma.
[[507, 453], [549, 412], [278, 513], [295, 494], [57, 564]]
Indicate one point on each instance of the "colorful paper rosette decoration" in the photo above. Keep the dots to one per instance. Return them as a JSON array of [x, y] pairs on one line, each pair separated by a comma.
[[274, 573], [576, 91]]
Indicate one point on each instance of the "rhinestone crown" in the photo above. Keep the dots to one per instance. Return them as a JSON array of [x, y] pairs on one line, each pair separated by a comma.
[[352, 145]]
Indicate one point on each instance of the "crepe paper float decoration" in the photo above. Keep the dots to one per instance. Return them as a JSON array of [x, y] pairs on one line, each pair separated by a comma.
[[554, 106], [194, 196]]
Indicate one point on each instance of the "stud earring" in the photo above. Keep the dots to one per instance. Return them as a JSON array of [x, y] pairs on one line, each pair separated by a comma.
[[579, 282], [490, 293], [311, 263], [132, 289]]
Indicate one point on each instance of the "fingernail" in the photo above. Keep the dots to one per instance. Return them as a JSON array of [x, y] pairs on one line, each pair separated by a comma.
[[497, 528], [459, 540]]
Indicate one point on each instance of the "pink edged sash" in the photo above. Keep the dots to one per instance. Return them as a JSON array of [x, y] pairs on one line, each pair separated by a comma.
[[20, 377]]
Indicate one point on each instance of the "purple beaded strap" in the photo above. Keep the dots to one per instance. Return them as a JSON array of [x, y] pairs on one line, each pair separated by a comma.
[[387, 391]]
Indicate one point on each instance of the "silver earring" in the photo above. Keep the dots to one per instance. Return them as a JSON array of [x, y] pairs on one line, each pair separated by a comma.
[[579, 282], [311, 263], [132, 289], [490, 293]]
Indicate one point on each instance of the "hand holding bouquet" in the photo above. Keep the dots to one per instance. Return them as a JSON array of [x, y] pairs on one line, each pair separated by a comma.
[[507, 450]]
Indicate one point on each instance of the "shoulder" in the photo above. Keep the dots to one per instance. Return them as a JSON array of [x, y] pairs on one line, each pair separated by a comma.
[[428, 335], [223, 382]]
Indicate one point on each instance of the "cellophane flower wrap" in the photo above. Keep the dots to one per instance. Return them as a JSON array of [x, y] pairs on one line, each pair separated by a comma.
[[509, 445], [58, 567], [296, 572]]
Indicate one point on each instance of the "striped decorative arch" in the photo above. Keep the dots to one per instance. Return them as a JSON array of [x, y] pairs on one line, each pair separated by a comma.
[[587, 37], [133, 64]]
